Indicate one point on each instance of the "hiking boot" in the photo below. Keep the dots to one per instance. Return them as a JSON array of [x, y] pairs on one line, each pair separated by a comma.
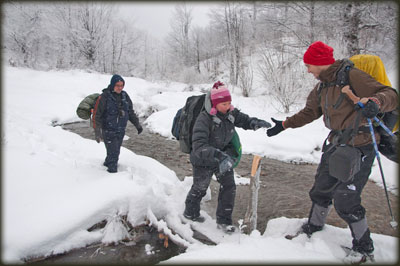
[[198, 219], [309, 229], [111, 170], [227, 228], [357, 257], [363, 247]]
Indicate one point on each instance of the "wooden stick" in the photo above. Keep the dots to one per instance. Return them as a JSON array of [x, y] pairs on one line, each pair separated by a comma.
[[346, 90], [254, 166], [250, 219]]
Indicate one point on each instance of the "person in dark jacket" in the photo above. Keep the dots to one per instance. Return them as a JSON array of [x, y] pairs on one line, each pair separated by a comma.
[[339, 113], [212, 153], [110, 119]]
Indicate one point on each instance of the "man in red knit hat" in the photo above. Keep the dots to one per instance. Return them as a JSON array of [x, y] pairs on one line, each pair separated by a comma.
[[340, 116]]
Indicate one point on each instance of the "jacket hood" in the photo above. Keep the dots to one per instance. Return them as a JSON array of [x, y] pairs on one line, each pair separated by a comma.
[[114, 79], [207, 102]]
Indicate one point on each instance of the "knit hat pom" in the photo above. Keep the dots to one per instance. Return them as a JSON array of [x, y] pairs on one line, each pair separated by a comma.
[[319, 54]]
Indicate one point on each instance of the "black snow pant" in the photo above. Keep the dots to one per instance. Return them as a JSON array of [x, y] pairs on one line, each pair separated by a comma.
[[226, 197], [346, 197], [113, 142]]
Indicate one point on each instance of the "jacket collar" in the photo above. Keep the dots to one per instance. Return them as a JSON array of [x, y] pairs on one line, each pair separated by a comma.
[[329, 75]]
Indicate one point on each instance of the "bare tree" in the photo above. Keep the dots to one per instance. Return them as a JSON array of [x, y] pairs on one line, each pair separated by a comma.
[[295, 21], [254, 25], [286, 80], [246, 77], [197, 33], [366, 26], [179, 35], [118, 35], [86, 26], [213, 48], [90, 35], [352, 21], [23, 28], [233, 18]]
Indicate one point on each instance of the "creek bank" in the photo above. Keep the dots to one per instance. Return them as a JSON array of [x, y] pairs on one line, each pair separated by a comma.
[[283, 191]]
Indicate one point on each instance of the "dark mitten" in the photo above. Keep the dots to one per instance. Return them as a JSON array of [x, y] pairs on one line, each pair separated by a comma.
[[257, 123], [278, 128], [225, 161], [371, 109], [97, 135], [139, 129]]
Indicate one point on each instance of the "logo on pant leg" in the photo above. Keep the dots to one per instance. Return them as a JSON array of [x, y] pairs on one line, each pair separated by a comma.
[[351, 187]]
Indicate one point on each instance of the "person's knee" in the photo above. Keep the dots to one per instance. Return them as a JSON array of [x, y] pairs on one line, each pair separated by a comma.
[[228, 181], [348, 209], [198, 191]]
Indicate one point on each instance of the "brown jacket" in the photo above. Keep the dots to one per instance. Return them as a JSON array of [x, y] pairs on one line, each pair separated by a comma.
[[344, 115]]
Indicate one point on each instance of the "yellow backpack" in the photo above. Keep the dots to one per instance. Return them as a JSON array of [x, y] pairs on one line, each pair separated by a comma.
[[373, 65]]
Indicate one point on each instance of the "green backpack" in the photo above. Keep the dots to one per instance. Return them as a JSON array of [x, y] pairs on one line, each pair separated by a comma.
[[86, 106], [238, 148]]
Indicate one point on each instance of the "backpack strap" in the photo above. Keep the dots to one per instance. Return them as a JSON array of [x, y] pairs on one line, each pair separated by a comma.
[[342, 75], [93, 123], [343, 136]]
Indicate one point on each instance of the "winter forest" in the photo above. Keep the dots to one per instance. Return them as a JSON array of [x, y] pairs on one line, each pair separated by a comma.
[[243, 42], [58, 199]]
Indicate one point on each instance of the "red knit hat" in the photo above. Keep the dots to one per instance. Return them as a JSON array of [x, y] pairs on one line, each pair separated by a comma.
[[219, 94], [319, 54]]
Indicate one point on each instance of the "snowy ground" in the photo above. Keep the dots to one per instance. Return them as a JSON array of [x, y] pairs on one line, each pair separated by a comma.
[[54, 185]]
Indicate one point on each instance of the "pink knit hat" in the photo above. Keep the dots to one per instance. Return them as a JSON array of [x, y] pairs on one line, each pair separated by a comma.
[[219, 94]]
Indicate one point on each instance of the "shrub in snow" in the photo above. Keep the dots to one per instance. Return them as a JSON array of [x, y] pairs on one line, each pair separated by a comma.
[[115, 231]]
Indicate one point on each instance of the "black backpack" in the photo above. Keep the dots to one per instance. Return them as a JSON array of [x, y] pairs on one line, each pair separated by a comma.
[[388, 143], [182, 126]]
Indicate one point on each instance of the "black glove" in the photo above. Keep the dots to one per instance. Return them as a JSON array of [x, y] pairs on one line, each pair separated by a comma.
[[278, 128], [139, 129], [258, 123], [370, 110], [97, 135], [225, 161]]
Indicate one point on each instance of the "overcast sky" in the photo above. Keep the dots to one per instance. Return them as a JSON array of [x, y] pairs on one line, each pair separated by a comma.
[[155, 16]]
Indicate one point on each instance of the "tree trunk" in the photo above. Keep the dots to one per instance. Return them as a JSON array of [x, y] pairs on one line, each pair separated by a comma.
[[352, 18]]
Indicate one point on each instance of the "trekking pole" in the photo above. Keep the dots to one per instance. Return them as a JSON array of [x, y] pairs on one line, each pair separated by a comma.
[[356, 100], [384, 126]]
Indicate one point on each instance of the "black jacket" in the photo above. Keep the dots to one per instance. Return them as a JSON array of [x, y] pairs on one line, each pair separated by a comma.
[[114, 110], [212, 132]]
